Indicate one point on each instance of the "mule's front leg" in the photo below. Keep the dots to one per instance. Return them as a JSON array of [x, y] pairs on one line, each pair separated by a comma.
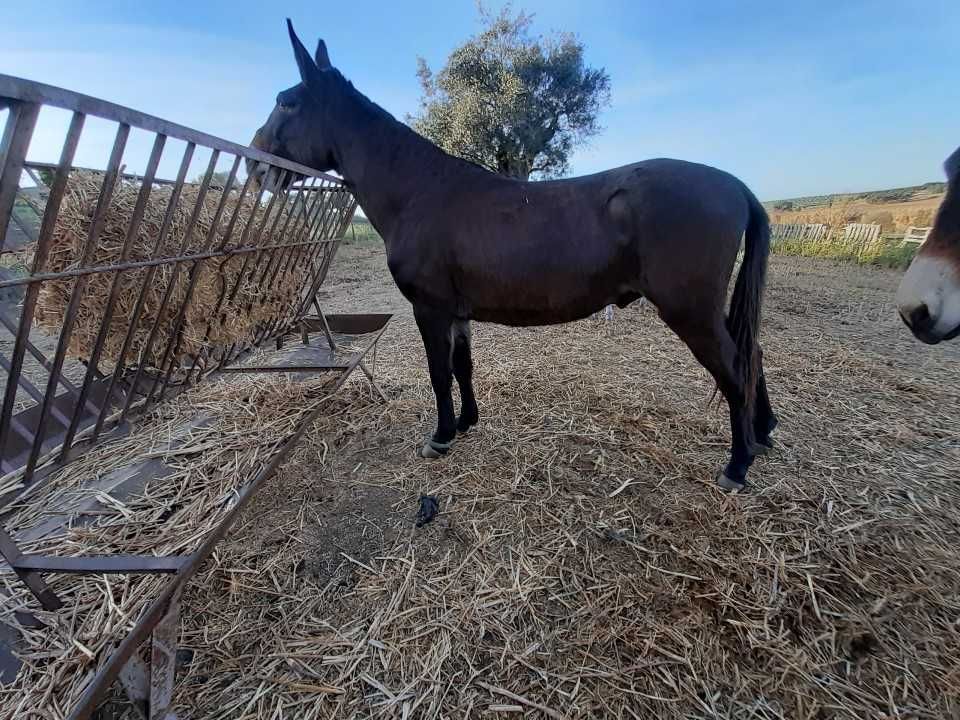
[[435, 330]]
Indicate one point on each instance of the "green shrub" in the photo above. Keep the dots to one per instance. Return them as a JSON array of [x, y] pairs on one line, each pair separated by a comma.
[[361, 231], [884, 253]]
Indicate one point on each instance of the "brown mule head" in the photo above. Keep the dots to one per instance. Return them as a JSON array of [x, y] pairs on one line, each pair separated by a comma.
[[929, 295], [295, 129]]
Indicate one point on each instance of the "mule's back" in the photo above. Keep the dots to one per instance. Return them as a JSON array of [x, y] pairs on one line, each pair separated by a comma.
[[545, 252]]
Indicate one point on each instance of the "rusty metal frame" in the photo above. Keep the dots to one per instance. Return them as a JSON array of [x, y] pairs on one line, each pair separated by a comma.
[[99, 686], [69, 417], [310, 233]]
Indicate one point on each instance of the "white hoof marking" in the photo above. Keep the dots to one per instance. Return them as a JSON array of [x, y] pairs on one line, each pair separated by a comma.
[[729, 484], [432, 450]]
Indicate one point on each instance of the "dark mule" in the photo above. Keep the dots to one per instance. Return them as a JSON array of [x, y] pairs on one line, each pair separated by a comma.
[[465, 244], [929, 294]]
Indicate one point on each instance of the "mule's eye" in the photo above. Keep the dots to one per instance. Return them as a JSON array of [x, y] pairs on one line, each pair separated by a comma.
[[286, 103]]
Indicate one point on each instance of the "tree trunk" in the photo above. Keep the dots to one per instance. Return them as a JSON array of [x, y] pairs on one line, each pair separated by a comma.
[[512, 166]]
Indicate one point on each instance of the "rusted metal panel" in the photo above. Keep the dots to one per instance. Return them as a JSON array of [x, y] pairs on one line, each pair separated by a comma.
[[300, 227], [138, 264], [307, 240], [16, 449], [103, 203], [132, 230], [147, 280], [33, 580], [105, 564], [15, 88], [163, 660], [10, 645], [320, 366], [351, 324], [67, 417], [101, 683], [13, 153], [14, 144]]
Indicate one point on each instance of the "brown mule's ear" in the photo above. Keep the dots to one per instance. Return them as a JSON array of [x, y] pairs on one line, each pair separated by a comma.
[[952, 165], [321, 57], [309, 74]]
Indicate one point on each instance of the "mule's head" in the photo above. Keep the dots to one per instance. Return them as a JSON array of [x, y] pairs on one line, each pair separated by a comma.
[[297, 128], [929, 294]]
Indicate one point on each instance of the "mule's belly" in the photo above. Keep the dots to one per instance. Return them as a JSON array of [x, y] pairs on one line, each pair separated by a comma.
[[533, 318], [530, 318], [550, 299]]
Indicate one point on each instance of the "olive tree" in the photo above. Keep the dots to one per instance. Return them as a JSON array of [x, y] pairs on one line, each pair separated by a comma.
[[513, 103]]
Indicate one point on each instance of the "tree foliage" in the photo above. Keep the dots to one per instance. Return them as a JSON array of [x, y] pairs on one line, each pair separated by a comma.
[[217, 179], [46, 176], [513, 103]]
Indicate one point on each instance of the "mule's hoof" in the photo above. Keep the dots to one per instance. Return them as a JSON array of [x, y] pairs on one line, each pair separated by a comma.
[[432, 450], [729, 484], [762, 447], [466, 421], [772, 425]]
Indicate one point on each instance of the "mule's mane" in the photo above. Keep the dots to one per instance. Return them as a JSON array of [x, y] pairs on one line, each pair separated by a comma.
[[384, 162], [947, 221], [355, 100]]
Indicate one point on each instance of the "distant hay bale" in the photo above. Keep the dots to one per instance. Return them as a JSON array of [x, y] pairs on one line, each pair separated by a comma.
[[922, 217], [883, 218], [205, 330]]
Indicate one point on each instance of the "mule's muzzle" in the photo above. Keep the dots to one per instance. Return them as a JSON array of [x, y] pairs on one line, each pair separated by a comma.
[[256, 171], [271, 178], [921, 323], [928, 299]]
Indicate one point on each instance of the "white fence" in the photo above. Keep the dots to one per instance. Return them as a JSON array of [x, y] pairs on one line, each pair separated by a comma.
[[798, 232], [863, 234], [859, 237], [916, 235]]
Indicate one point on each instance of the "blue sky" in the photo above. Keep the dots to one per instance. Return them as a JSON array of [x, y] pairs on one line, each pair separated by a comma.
[[794, 98]]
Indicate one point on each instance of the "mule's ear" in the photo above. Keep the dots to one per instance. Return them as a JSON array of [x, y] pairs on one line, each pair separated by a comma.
[[309, 73], [321, 57], [952, 166]]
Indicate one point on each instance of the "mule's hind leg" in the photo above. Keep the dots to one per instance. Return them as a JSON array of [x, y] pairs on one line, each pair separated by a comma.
[[713, 347], [765, 421], [463, 371], [435, 330]]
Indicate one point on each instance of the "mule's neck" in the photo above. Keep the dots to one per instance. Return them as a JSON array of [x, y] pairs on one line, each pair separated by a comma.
[[948, 215], [383, 161]]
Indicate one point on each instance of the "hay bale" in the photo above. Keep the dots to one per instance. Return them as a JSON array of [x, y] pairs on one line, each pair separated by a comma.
[[204, 332], [883, 218]]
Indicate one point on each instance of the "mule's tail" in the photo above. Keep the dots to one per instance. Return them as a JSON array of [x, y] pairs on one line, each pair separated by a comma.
[[745, 305]]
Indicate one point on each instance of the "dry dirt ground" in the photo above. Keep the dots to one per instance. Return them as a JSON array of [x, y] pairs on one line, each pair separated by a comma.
[[583, 563]]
